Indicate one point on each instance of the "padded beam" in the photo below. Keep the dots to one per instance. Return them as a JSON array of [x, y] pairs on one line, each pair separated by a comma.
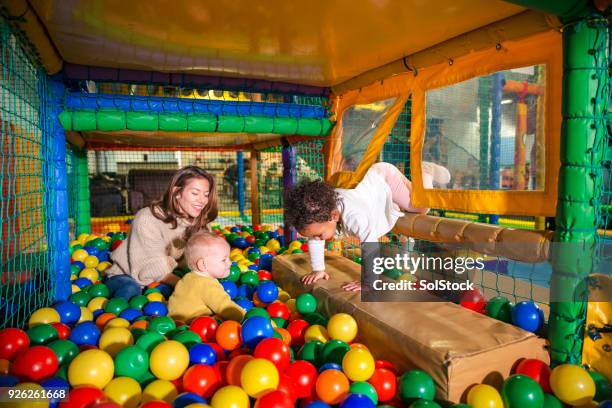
[[456, 346], [515, 244]]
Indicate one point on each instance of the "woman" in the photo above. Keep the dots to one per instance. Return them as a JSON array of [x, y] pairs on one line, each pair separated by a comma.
[[159, 232]]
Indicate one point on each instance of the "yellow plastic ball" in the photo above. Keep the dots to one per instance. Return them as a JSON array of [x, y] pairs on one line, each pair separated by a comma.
[[197, 405], [117, 322], [283, 296], [91, 261], [264, 249], [342, 326], [316, 332], [291, 305], [266, 228], [169, 360], [97, 303], [245, 234], [484, 396], [82, 238], [115, 339], [243, 268], [80, 255], [572, 384], [155, 297], [295, 245], [258, 377], [44, 315], [75, 288], [230, 396], [90, 273], [94, 367], [74, 242], [24, 389], [103, 266], [358, 364], [86, 315], [273, 245], [161, 390], [124, 391]]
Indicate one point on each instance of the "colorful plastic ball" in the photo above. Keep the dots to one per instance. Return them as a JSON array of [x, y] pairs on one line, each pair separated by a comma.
[[604, 404], [246, 304], [278, 309], [116, 305], [162, 324], [264, 275], [64, 350], [169, 360], [160, 390], [358, 365], [274, 350], [332, 386], [185, 399], [316, 333], [131, 361], [522, 391], [115, 339], [205, 327], [255, 329], [228, 335], [342, 326], [91, 274], [537, 370], [202, 354], [316, 404], [81, 298], [201, 379], [330, 366], [8, 380], [267, 292], [416, 384], [12, 341], [473, 300], [230, 288], [364, 388], [303, 375], [82, 282], [155, 309], [550, 401], [572, 384], [424, 404], [85, 333], [484, 396], [42, 334], [306, 303], [258, 377], [385, 383], [250, 278], [357, 401], [296, 329], [150, 340], [528, 316], [603, 390], [45, 315], [257, 311], [316, 318], [265, 261], [138, 302], [130, 314], [234, 368], [499, 308], [79, 255], [124, 391], [275, 399], [86, 315], [230, 396], [35, 364], [93, 367], [311, 351], [69, 313]]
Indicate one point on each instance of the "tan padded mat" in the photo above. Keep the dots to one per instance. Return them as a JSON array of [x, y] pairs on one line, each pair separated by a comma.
[[456, 346]]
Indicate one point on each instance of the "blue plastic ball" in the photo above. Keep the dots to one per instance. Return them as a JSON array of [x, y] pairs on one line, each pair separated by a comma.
[[246, 291], [79, 265], [130, 314], [202, 353], [85, 333], [357, 401], [265, 262], [605, 404], [246, 304], [230, 288], [69, 312], [155, 309], [240, 243], [53, 384], [8, 381], [103, 256], [267, 291], [254, 251], [235, 230], [330, 366], [281, 240], [273, 234], [97, 313], [165, 290], [254, 267], [528, 316], [187, 398], [316, 404], [91, 250], [255, 329], [82, 282]]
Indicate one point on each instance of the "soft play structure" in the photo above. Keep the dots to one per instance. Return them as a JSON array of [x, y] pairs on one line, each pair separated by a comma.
[[102, 102]]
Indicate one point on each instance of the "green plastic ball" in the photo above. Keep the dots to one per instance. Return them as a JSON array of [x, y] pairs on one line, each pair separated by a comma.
[[131, 361], [74, 269], [162, 324], [316, 318], [416, 384], [65, 350], [392, 273], [234, 274], [310, 351], [116, 305], [256, 311], [138, 302], [253, 256], [499, 308], [306, 303], [149, 341], [521, 391], [422, 403], [364, 388], [137, 332], [297, 251], [42, 334], [151, 290], [249, 278], [334, 351], [100, 244], [550, 401], [98, 290], [146, 379], [80, 298], [603, 390], [187, 338], [280, 322], [62, 372], [357, 259]]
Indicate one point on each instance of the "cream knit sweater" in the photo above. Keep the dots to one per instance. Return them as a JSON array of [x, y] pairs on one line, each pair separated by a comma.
[[151, 249]]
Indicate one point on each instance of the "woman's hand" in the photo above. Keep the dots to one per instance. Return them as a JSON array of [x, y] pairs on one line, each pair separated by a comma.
[[170, 279], [354, 286], [176, 248], [314, 276]]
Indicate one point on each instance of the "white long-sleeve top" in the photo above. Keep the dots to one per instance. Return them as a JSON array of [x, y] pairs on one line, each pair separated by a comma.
[[367, 213]]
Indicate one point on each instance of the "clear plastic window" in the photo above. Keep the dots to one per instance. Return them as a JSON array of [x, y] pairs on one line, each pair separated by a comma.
[[487, 133]]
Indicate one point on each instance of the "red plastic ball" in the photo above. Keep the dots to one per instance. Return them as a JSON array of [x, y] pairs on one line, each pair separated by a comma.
[[304, 377], [278, 309], [238, 352], [156, 404], [35, 364], [178, 384], [219, 350], [220, 368], [201, 379], [538, 370], [104, 404], [83, 396], [257, 227], [250, 239], [386, 364], [263, 274], [295, 316], [63, 330], [296, 329], [116, 244], [274, 399], [12, 341], [205, 327], [473, 300], [274, 350], [384, 382], [304, 247], [285, 384]]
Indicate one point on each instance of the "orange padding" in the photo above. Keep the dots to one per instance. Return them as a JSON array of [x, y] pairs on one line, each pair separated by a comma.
[[515, 244], [544, 48]]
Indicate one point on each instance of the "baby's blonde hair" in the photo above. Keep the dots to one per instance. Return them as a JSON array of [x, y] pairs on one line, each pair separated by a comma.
[[197, 245]]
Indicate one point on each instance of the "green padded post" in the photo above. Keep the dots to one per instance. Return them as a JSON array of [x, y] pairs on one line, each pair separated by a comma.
[[83, 216], [583, 133]]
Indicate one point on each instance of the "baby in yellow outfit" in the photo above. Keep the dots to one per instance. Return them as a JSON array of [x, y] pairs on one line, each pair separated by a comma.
[[199, 293]]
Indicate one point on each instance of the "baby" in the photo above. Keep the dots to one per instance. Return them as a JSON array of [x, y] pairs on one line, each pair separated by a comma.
[[199, 293]]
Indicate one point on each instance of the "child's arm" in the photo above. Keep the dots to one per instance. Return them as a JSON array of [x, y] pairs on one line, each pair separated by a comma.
[[316, 249], [219, 302]]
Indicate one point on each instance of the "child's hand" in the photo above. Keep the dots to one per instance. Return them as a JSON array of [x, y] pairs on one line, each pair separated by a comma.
[[170, 279], [314, 276], [354, 286]]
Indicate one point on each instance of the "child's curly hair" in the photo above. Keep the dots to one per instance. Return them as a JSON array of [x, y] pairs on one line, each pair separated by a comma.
[[309, 202]]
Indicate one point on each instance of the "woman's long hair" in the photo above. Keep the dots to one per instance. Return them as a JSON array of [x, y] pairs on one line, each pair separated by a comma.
[[170, 208]]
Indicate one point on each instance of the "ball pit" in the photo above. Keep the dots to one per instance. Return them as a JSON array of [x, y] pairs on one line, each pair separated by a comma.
[[116, 352]]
